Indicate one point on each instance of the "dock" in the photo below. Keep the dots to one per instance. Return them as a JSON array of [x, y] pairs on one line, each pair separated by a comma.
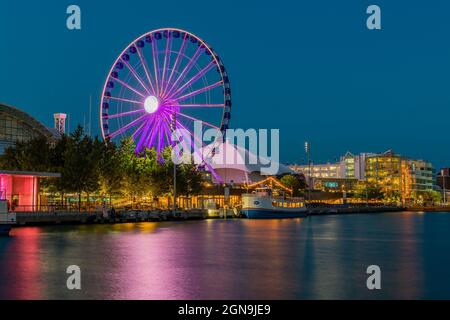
[[96, 217], [330, 210]]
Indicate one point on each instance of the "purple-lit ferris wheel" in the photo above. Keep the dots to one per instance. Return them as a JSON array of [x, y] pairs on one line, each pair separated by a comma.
[[166, 78]]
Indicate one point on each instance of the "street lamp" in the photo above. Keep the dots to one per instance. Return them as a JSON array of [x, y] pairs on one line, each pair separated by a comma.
[[308, 155]]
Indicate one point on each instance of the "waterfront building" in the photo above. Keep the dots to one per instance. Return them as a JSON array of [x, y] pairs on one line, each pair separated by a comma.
[[350, 166], [443, 183], [353, 166], [398, 177], [443, 179], [21, 189], [417, 178], [18, 126], [328, 170], [385, 171], [335, 184]]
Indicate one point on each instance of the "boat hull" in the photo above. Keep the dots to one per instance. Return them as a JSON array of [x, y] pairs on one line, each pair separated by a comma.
[[273, 214], [5, 229]]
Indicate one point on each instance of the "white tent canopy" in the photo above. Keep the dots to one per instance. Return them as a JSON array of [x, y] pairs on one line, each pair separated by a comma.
[[236, 164]]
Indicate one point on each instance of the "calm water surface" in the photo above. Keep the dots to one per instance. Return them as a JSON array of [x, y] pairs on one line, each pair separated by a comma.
[[312, 258]]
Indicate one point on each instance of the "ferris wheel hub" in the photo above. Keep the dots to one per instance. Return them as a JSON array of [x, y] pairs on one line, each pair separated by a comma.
[[151, 104]]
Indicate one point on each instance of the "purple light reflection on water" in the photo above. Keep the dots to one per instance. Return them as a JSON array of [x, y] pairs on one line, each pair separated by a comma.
[[312, 258]]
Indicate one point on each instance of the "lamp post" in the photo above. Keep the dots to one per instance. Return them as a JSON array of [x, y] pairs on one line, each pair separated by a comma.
[[308, 156], [443, 185]]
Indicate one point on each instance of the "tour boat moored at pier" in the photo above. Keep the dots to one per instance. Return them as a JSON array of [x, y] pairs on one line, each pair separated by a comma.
[[263, 205]]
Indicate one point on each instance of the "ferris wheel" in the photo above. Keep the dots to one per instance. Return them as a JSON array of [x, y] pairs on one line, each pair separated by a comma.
[[164, 80]]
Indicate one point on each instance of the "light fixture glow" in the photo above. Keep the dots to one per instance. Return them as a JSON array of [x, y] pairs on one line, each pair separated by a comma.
[[151, 104]]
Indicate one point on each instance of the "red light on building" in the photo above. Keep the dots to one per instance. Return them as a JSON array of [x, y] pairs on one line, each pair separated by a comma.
[[21, 189]]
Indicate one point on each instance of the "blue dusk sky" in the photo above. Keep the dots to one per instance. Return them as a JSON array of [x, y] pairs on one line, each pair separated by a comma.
[[310, 68]]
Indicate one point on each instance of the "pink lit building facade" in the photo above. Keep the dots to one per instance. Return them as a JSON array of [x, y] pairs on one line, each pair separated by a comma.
[[21, 189]]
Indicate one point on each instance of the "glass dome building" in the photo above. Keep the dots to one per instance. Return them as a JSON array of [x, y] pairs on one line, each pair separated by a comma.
[[18, 126]]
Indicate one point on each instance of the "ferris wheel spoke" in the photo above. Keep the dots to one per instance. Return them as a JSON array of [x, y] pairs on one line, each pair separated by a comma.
[[195, 119], [155, 61], [186, 69], [146, 69], [138, 131], [158, 137], [167, 130], [124, 100], [138, 78], [151, 137], [126, 85], [166, 60], [126, 127], [161, 132], [123, 114], [143, 141], [199, 91], [197, 105], [201, 155], [144, 135], [184, 139], [194, 79], [175, 65], [200, 142]]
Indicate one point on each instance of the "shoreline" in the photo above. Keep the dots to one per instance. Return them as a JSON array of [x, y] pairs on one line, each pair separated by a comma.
[[137, 216]]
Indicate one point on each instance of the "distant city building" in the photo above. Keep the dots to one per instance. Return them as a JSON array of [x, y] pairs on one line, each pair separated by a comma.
[[397, 174], [18, 126], [394, 174], [60, 122], [443, 179], [328, 170], [353, 166], [417, 178], [335, 184], [385, 170]]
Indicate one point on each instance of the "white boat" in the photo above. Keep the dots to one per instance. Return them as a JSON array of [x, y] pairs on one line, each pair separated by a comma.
[[261, 204], [7, 219]]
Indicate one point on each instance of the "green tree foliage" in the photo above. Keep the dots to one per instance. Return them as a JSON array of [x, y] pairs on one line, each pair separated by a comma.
[[111, 180], [370, 190], [431, 196], [34, 156], [294, 182], [81, 164], [392, 196], [90, 166]]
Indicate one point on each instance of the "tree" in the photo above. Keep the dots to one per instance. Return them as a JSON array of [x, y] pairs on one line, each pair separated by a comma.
[[33, 155], [192, 180], [431, 196], [111, 170], [392, 196], [137, 170], [293, 182], [81, 165], [370, 190]]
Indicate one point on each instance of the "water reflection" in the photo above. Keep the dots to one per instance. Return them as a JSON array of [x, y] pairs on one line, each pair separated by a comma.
[[311, 258]]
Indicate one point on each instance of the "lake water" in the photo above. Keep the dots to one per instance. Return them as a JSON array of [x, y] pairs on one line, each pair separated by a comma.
[[312, 258]]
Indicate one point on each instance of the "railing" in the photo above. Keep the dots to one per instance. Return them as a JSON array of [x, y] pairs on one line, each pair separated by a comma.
[[348, 205], [83, 208], [54, 208]]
